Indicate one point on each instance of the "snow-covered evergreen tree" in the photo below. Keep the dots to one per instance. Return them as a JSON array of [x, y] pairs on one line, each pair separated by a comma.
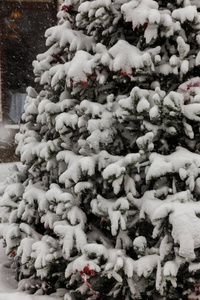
[[106, 205]]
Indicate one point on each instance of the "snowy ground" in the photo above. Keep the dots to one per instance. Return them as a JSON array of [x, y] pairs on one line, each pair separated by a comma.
[[8, 284]]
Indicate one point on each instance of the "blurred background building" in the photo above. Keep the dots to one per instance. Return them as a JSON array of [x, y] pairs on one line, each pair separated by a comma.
[[22, 28]]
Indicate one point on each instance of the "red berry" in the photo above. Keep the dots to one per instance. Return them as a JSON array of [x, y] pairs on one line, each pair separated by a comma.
[[85, 83], [86, 270], [67, 8], [187, 101]]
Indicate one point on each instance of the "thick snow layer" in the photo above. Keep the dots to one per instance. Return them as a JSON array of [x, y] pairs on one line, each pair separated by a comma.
[[141, 12], [4, 171], [126, 57], [186, 13]]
